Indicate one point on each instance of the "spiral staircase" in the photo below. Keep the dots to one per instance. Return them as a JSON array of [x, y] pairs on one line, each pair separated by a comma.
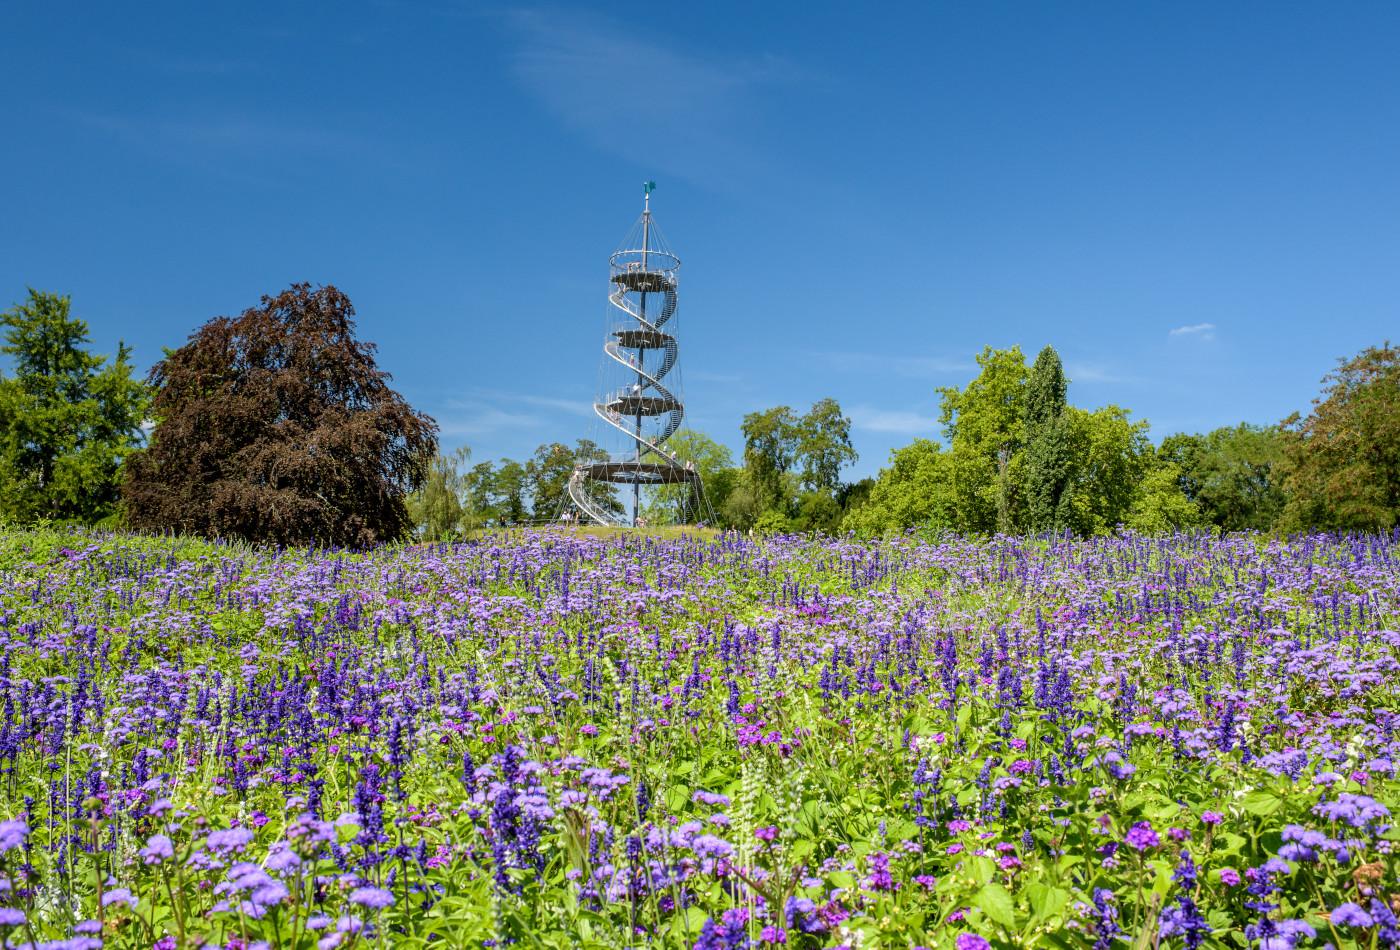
[[641, 409]]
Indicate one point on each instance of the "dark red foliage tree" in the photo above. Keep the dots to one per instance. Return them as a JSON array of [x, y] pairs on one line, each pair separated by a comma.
[[277, 427]]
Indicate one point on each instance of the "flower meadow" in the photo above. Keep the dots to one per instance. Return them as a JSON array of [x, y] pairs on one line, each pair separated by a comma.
[[546, 739]]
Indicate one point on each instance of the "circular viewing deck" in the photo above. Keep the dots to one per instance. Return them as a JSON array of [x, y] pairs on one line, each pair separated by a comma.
[[644, 281]]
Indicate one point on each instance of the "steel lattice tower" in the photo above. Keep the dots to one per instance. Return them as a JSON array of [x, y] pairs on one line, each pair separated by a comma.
[[641, 407]]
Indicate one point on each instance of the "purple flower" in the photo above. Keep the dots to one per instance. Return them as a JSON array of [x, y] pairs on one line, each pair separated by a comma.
[[1229, 877], [970, 941], [157, 849], [12, 834], [118, 896], [1142, 836], [880, 879], [710, 798], [9, 917], [375, 898], [1212, 817], [708, 846], [1350, 915], [230, 840]]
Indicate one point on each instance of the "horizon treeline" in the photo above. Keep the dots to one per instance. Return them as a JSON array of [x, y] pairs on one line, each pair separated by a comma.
[[276, 426], [1016, 458]]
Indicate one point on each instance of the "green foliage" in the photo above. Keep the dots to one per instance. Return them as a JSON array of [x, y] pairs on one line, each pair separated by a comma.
[[714, 462], [1233, 474], [985, 424], [437, 509], [68, 418], [771, 440], [917, 489], [1111, 457], [547, 476], [496, 494], [823, 446], [1049, 454], [792, 469], [1020, 459], [1160, 506], [1344, 457]]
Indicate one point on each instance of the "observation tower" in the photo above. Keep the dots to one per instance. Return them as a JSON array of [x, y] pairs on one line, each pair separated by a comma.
[[639, 397]]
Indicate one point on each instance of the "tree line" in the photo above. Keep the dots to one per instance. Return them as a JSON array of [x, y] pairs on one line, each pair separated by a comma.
[[277, 426]]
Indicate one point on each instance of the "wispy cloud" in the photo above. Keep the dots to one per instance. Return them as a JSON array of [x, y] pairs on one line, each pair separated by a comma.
[[514, 402], [490, 411], [1198, 331], [1093, 373], [915, 367], [900, 421], [468, 419], [679, 112]]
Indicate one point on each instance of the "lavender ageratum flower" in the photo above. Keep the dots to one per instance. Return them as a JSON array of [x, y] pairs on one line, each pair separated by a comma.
[[281, 859], [10, 917], [1358, 811], [229, 841], [1350, 915], [121, 896], [374, 898], [709, 846], [158, 848], [971, 941], [12, 834], [710, 798]]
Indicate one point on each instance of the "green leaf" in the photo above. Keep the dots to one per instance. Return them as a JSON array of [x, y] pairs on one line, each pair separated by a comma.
[[1046, 900], [982, 870], [1261, 803], [995, 901]]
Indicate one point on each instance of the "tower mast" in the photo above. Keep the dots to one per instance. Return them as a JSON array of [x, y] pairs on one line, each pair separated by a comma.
[[641, 354], [638, 400]]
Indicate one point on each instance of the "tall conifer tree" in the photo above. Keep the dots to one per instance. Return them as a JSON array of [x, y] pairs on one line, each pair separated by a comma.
[[1049, 455]]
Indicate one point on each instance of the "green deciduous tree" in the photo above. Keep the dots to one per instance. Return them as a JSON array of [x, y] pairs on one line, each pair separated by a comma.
[[440, 509], [771, 439], [1159, 505], [547, 475], [68, 418], [1343, 458], [1018, 457], [510, 492], [917, 489], [823, 447], [985, 425], [715, 465], [1111, 457], [1233, 474]]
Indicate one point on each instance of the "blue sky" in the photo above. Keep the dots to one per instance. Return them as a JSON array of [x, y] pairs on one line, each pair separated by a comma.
[[1196, 203]]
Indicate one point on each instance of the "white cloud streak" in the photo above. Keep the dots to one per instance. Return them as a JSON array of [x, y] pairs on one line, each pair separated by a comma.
[[898, 421], [584, 70], [1199, 331]]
